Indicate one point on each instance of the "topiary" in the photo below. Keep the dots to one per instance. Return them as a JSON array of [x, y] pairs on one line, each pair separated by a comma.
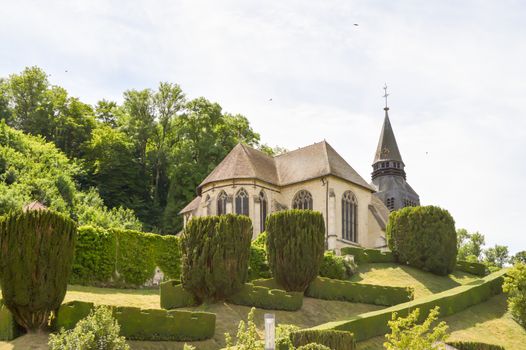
[[37, 252], [423, 237], [295, 246], [313, 346], [216, 251]]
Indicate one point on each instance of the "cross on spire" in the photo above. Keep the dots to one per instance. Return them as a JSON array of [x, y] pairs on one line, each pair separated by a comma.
[[385, 95]]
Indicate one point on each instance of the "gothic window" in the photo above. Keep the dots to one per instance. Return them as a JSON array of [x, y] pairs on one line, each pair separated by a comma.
[[262, 210], [389, 203], [221, 203], [302, 200], [349, 217], [242, 202]]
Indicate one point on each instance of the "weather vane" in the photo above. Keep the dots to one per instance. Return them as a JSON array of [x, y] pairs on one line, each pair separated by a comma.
[[385, 94]]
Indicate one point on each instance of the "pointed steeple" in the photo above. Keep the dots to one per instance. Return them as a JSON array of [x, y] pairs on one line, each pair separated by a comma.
[[387, 148]]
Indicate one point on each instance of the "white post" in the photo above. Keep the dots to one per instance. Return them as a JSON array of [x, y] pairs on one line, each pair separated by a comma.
[[270, 332]]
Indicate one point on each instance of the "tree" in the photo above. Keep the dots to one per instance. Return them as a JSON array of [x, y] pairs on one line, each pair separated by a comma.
[[108, 113], [515, 286], [37, 252], [406, 333], [497, 256], [520, 257], [469, 245]]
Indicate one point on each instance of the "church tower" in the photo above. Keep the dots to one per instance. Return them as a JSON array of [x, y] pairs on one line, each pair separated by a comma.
[[388, 175]]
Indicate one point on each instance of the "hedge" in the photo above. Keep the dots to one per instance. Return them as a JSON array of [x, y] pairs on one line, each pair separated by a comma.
[[362, 255], [331, 289], [335, 340], [267, 298], [9, 330], [114, 257], [474, 268], [374, 323], [336, 267], [143, 324], [462, 345], [174, 296]]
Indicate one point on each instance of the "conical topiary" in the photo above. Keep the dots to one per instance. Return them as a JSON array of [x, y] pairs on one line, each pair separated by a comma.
[[36, 249]]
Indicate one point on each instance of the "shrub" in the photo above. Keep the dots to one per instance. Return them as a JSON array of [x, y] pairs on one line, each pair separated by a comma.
[[330, 289], [97, 331], [37, 251], [451, 301], [423, 237], [267, 298], [462, 345], [313, 346], [174, 296], [258, 264], [295, 247], [407, 334], [216, 251], [336, 267], [474, 268], [363, 255], [9, 330], [247, 337], [283, 341], [515, 287], [336, 340]]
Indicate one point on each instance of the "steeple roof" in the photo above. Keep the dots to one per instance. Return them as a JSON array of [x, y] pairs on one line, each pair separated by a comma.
[[387, 148]]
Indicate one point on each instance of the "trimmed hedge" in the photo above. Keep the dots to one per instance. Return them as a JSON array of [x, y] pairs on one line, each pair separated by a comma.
[[331, 289], [267, 298], [474, 268], [374, 323], [174, 296], [114, 257], [9, 330], [143, 324], [335, 340], [363, 255], [462, 345]]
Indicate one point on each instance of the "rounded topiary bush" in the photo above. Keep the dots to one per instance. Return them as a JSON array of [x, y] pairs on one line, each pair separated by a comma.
[[216, 252], [36, 249], [423, 237], [295, 246]]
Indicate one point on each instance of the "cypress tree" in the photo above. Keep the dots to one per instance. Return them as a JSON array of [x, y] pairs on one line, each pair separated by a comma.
[[37, 249], [295, 247]]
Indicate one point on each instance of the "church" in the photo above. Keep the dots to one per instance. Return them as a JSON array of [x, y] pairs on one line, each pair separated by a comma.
[[252, 183]]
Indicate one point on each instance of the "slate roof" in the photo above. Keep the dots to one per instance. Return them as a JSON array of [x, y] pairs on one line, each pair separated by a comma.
[[387, 147], [194, 204], [36, 205]]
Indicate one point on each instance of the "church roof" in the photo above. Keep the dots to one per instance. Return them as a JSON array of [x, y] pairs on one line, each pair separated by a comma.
[[303, 164], [387, 148], [36, 205], [194, 204]]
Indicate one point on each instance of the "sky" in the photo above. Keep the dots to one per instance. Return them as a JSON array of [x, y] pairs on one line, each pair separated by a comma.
[[302, 72]]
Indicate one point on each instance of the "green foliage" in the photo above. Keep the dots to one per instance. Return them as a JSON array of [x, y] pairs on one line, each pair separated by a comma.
[[9, 329], [469, 244], [515, 287], [247, 337], [333, 339], [336, 267], [141, 324], [313, 346], [406, 333], [117, 257], [97, 331], [496, 256], [174, 296], [520, 257], [331, 289], [216, 252], [363, 255], [462, 345], [283, 341], [295, 247], [258, 263], [267, 298], [423, 237], [451, 301], [37, 252], [474, 268]]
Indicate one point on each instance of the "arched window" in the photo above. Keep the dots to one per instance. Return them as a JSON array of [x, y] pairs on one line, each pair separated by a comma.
[[242, 202], [262, 211], [389, 203], [302, 200], [349, 217], [221, 203]]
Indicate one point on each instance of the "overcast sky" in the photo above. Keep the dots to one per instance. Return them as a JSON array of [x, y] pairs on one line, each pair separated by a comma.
[[455, 69]]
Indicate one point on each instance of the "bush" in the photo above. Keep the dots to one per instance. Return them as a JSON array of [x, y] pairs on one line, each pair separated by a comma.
[[330, 289], [97, 331], [451, 301], [9, 330], [216, 251], [363, 255], [462, 345], [174, 296], [313, 346], [336, 267], [258, 264], [267, 298], [423, 237], [336, 340], [295, 247], [283, 341], [247, 337], [114, 257], [141, 324], [37, 251], [515, 287], [475, 268]]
